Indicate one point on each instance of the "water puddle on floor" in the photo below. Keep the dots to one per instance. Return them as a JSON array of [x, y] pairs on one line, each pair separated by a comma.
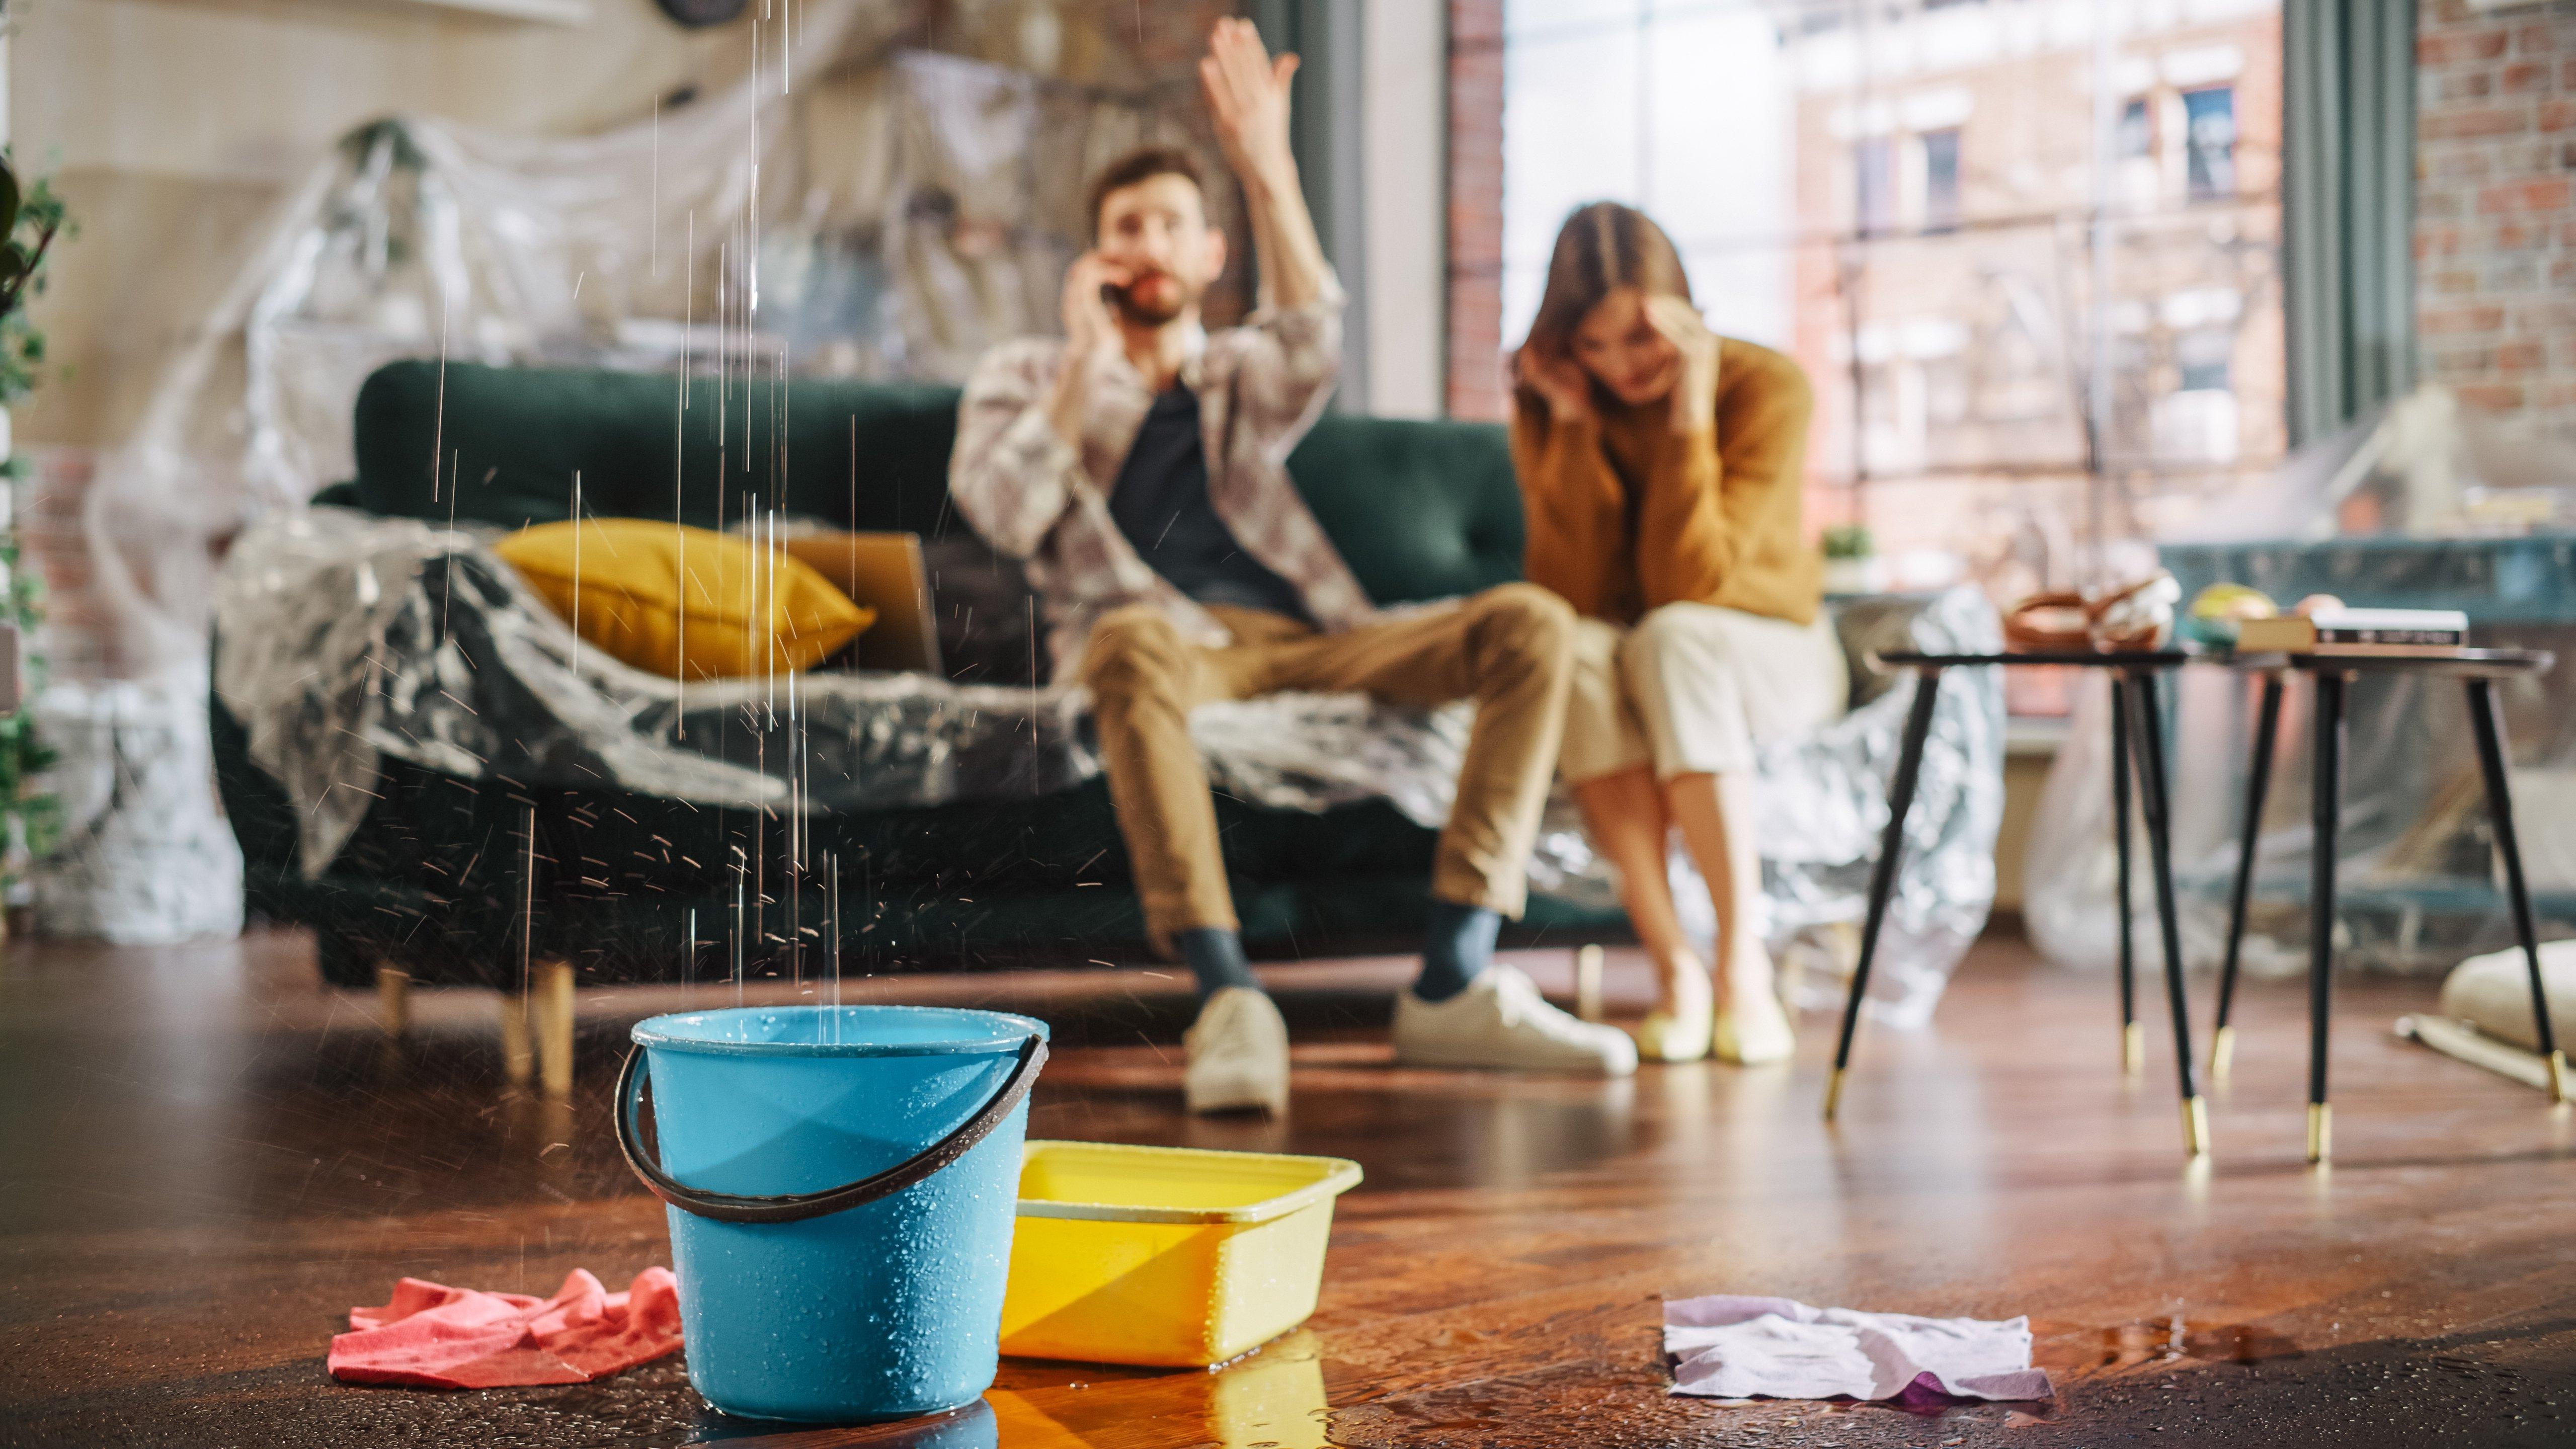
[[2163, 1340]]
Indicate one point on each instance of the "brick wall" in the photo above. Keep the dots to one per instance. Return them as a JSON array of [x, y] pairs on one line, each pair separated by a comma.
[[2495, 227], [74, 639], [1475, 208]]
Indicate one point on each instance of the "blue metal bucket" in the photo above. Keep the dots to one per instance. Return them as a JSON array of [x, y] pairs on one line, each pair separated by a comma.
[[841, 1184]]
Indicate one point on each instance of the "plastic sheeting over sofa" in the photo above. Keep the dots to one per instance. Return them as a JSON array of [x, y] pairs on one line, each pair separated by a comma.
[[346, 639]]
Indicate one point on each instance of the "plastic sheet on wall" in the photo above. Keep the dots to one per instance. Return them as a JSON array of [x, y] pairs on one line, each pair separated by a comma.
[[861, 210], [346, 638]]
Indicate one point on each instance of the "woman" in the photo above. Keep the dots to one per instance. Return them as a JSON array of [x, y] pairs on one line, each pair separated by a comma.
[[1660, 466]]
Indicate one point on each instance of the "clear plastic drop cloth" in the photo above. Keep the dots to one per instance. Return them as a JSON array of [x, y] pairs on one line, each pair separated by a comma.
[[2419, 466], [2418, 504], [851, 207], [2418, 881], [847, 207], [345, 639]]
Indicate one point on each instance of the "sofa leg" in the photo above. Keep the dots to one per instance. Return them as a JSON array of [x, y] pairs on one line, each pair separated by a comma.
[[1587, 982], [550, 1022], [518, 1063], [393, 1001]]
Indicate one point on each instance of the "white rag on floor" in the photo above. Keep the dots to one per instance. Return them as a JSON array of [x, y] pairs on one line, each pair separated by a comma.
[[1729, 1347]]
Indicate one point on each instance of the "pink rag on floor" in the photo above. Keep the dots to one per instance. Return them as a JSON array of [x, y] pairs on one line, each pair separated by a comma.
[[437, 1337], [1731, 1347]]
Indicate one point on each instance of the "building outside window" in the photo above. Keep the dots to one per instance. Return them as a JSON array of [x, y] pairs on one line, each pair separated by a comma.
[[2001, 249]]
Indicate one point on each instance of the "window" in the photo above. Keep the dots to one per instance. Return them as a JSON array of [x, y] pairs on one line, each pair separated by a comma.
[[1973, 356], [2203, 359], [1941, 180], [2209, 139], [1874, 182], [2137, 135]]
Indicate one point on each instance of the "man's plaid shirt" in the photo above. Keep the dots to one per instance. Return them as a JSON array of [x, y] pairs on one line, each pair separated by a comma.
[[1037, 498]]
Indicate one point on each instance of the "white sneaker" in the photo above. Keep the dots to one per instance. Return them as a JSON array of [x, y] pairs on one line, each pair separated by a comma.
[[1238, 1054], [1500, 1020]]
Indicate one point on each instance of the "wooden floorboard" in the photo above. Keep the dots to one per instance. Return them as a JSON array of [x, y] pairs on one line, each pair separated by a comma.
[[206, 1158]]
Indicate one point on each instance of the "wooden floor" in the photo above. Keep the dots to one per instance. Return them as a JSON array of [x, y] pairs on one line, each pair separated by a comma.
[[205, 1159]]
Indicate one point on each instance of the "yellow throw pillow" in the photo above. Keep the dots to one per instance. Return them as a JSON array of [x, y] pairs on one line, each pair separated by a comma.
[[744, 610]]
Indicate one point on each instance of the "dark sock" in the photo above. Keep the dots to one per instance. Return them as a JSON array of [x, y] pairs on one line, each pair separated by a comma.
[[1458, 948], [1215, 955]]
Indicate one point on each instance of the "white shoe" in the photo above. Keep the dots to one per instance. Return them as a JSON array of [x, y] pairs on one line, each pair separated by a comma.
[[1500, 1020], [1238, 1054]]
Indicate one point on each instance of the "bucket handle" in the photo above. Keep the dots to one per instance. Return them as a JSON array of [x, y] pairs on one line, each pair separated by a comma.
[[726, 1207]]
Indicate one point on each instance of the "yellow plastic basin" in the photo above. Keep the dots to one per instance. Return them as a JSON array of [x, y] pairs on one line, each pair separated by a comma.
[[1165, 1255]]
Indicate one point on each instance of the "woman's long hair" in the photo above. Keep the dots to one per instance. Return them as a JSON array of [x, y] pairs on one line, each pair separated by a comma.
[[1604, 246]]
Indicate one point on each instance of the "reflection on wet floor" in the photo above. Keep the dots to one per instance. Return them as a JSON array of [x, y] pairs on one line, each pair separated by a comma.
[[2161, 1340], [1272, 1398]]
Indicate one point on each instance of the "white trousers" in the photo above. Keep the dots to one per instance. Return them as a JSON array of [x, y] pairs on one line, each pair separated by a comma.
[[1693, 689]]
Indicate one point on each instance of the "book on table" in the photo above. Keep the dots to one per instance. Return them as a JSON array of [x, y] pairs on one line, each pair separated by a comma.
[[2357, 631]]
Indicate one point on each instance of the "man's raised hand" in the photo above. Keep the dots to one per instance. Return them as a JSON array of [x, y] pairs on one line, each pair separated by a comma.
[[1247, 94]]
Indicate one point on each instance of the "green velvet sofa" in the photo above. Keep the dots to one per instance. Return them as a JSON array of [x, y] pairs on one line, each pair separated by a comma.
[[433, 880]]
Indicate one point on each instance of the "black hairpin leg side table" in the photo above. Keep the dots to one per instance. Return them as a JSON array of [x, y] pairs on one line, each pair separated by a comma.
[[2258, 786], [2477, 670], [2137, 739]]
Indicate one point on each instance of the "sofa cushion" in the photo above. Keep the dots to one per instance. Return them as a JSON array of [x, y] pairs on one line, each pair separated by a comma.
[[683, 602], [1420, 510]]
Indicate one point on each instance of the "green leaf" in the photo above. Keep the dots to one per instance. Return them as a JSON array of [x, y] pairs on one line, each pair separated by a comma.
[[8, 199]]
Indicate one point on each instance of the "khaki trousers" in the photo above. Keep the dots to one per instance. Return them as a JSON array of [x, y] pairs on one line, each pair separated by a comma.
[[1509, 648], [1694, 689]]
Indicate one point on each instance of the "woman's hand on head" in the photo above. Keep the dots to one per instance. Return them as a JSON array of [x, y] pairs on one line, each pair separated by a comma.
[[1695, 390], [1559, 379]]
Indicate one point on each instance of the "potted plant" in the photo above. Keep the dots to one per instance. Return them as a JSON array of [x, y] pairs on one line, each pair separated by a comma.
[[1851, 559]]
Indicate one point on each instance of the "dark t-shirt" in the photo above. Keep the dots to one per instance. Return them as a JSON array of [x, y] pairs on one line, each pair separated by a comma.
[[1161, 503]]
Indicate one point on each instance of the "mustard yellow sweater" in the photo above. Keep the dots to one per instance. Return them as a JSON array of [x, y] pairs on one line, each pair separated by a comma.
[[1625, 515]]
